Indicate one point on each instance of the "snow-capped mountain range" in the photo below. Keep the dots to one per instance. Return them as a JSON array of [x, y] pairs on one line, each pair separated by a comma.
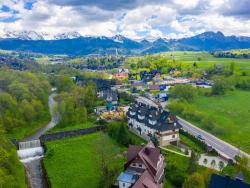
[[33, 35], [76, 44]]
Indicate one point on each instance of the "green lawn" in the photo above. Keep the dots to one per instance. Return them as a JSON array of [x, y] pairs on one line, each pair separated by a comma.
[[88, 124], [91, 122], [230, 111], [174, 148], [74, 162], [207, 60], [192, 145]]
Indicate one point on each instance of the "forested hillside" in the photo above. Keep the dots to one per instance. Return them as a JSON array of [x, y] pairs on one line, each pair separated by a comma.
[[23, 109], [23, 101]]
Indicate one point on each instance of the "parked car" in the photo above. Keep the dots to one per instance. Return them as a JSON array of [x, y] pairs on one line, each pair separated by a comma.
[[200, 137]]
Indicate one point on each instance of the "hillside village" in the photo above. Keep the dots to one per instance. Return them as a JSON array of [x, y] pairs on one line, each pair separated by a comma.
[[134, 125], [124, 94]]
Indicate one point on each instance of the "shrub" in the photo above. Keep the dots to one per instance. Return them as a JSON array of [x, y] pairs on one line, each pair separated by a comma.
[[221, 85], [243, 83], [120, 133], [177, 176], [177, 107], [184, 92], [196, 180]]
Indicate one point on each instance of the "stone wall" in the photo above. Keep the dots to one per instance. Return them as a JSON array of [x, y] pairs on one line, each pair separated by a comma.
[[67, 134]]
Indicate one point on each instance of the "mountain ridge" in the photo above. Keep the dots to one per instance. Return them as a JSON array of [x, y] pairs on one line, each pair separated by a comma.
[[75, 44]]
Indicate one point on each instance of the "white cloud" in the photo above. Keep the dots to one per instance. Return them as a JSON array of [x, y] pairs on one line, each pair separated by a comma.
[[170, 18]]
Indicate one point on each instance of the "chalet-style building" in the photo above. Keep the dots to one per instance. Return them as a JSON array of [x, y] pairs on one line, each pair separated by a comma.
[[149, 120], [108, 95], [144, 168]]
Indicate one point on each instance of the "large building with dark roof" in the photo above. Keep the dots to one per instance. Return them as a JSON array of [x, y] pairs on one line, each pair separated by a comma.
[[218, 181], [149, 120]]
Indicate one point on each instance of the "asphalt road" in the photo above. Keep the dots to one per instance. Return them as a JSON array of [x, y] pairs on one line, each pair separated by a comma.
[[223, 148], [51, 124]]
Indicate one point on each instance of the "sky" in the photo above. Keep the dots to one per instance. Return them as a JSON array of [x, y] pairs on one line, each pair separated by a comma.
[[135, 19]]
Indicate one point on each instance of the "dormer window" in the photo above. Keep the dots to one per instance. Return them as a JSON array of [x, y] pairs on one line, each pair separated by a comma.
[[132, 113], [152, 122], [141, 117]]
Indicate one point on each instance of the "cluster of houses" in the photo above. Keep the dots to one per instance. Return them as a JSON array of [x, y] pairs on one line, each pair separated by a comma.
[[155, 84]]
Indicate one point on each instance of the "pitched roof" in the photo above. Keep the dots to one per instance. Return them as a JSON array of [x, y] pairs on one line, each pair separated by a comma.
[[164, 120], [148, 154], [133, 152], [154, 87], [137, 84], [145, 181], [153, 154], [226, 182]]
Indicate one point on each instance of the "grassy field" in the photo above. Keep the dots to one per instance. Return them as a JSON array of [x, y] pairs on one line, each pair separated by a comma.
[[207, 60], [232, 112], [202, 59], [74, 162]]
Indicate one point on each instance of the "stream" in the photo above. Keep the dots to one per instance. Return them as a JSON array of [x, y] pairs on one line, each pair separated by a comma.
[[31, 152]]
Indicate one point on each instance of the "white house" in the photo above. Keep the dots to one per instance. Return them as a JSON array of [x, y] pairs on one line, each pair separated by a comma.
[[149, 121]]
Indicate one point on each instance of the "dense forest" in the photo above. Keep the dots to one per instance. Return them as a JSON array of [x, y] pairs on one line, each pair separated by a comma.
[[23, 99], [23, 109], [74, 103]]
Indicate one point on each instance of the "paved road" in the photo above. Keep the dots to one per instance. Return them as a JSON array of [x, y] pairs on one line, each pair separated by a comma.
[[221, 146], [51, 124]]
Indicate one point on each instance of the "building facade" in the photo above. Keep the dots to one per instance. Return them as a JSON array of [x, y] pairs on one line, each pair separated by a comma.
[[144, 168], [148, 121]]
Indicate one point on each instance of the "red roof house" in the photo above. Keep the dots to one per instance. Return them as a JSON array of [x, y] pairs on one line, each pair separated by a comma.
[[144, 168], [121, 75]]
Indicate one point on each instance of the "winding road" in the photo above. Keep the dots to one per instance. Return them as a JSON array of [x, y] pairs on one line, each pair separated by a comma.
[[50, 125], [225, 149]]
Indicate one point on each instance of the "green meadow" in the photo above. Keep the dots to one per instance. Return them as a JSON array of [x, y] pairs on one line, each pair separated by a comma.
[[187, 59], [74, 162], [230, 111], [206, 60]]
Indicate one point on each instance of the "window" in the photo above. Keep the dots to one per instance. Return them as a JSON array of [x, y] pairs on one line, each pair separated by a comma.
[[133, 164], [173, 136], [140, 165], [123, 184]]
